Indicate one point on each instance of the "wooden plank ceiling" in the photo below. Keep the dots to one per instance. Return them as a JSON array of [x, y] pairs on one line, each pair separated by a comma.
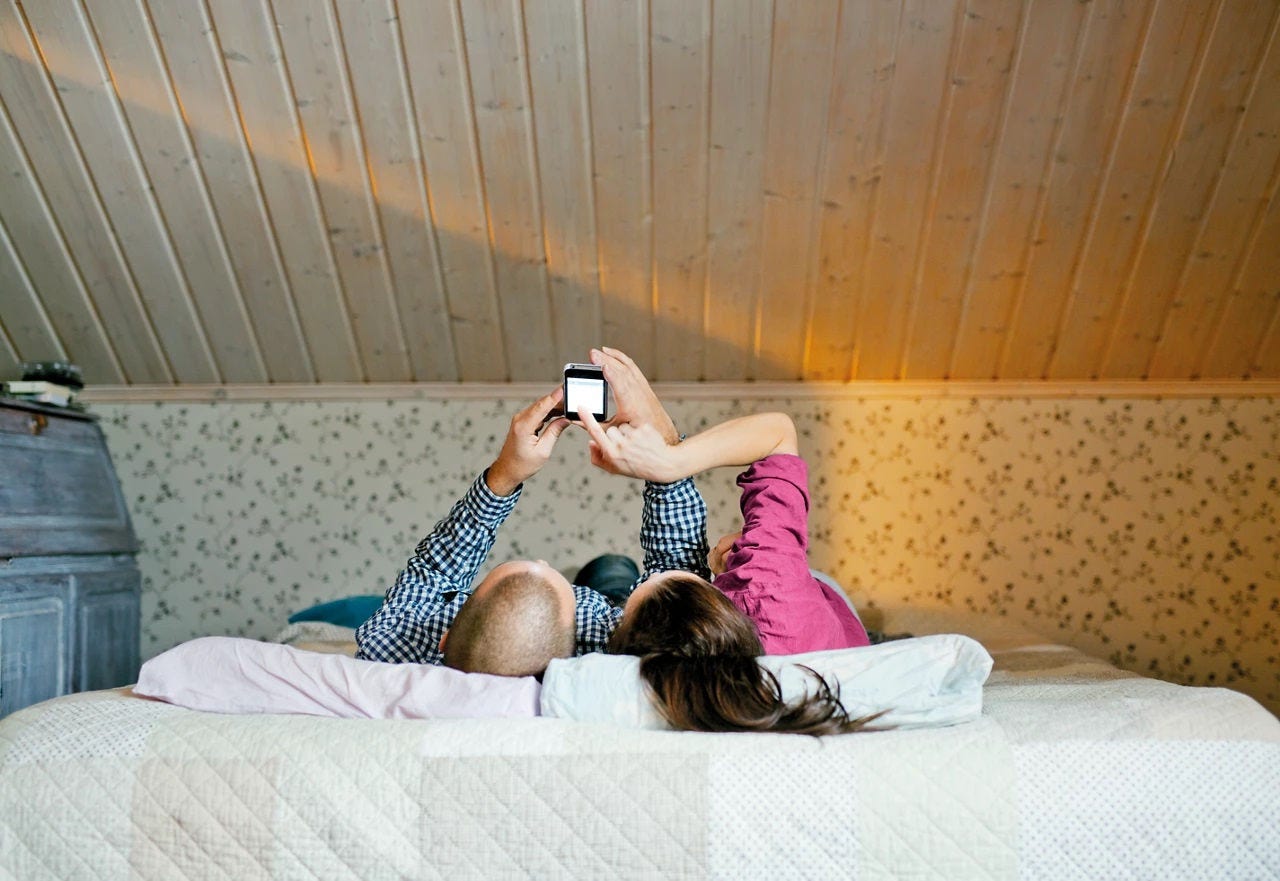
[[328, 191]]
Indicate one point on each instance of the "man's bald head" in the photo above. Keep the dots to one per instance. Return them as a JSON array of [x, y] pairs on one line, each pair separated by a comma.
[[517, 620]]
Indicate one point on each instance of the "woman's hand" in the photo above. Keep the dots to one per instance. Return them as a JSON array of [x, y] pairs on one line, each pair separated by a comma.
[[641, 451], [715, 559], [633, 451]]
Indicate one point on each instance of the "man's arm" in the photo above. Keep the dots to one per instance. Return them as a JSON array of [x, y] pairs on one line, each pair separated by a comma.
[[673, 528], [423, 602], [673, 533], [673, 525], [594, 620], [426, 596]]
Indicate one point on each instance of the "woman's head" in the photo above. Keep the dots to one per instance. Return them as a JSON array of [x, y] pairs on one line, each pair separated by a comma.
[[698, 659], [681, 614]]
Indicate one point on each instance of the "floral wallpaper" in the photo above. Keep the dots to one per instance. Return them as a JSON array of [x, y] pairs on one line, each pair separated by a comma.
[[1144, 531]]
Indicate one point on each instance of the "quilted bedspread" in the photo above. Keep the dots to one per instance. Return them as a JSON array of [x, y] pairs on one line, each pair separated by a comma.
[[1076, 770]]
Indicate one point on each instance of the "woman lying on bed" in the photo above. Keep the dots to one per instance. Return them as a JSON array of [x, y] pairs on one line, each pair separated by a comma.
[[698, 640]]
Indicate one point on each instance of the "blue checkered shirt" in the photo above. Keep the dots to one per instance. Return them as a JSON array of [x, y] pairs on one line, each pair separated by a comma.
[[438, 578]]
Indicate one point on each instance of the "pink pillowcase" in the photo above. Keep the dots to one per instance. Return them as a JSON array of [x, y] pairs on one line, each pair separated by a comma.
[[223, 674]]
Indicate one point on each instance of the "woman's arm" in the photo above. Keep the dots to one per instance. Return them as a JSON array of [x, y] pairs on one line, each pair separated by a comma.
[[641, 451]]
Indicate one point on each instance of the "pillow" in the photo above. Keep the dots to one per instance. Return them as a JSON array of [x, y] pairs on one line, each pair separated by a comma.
[[346, 612], [318, 636], [924, 682], [224, 674]]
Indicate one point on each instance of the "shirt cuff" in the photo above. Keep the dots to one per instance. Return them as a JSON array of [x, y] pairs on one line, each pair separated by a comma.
[[785, 466], [488, 506], [654, 491]]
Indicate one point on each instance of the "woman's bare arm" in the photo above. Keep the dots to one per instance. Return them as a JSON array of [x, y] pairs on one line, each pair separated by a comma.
[[641, 451]]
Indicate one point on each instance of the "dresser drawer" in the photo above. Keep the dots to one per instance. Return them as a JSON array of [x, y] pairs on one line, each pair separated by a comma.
[[58, 490]]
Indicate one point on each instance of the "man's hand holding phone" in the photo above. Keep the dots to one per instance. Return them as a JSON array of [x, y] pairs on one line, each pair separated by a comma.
[[528, 445]]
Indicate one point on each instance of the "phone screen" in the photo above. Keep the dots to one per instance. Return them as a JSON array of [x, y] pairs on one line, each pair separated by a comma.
[[583, 393]]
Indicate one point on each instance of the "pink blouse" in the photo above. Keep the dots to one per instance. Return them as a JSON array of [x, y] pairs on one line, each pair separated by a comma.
[[767, 573]]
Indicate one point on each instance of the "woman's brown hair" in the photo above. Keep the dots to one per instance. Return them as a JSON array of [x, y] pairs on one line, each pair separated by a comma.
[[698, 660]]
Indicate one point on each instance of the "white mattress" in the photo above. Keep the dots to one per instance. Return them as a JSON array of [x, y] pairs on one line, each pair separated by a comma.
[[1076, 770]]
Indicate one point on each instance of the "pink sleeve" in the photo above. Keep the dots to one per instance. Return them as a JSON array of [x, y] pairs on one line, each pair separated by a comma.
[[767, 573]]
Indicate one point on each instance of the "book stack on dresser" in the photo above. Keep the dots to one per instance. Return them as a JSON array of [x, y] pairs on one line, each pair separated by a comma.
[[40, 392], [69, 582]]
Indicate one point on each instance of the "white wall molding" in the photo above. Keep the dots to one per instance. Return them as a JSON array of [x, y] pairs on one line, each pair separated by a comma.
[[688, 391]]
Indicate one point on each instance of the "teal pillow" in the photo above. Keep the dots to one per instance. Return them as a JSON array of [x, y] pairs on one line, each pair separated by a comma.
[[346, 612]]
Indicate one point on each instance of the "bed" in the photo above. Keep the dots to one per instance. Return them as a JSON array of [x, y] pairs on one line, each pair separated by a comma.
[[1074, 770]]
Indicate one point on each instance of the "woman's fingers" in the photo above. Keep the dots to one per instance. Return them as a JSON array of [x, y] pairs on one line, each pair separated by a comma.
[[598, 435], [597, 458], [610, 447]]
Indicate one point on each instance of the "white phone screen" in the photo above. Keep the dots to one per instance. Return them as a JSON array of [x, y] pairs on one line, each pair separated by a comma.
[[582, 393]]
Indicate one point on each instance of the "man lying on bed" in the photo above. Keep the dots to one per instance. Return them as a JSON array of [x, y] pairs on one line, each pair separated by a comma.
[[523, 613]]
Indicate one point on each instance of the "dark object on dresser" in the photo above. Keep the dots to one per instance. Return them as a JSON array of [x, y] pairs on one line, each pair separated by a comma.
[[59, 372], [69, 584]]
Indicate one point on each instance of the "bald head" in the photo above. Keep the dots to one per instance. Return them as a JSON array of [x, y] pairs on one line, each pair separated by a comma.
[[517, 620]]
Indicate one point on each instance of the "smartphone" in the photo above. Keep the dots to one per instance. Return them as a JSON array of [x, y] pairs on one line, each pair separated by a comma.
[[585, 388]]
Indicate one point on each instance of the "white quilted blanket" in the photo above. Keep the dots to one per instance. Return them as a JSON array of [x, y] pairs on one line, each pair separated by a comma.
[[1075, 771]]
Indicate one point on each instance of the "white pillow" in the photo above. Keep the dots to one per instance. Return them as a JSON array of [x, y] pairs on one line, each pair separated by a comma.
[[924, 682], [224, 674]]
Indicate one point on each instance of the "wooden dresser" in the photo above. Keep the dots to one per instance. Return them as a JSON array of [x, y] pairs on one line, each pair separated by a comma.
[[69, 584]]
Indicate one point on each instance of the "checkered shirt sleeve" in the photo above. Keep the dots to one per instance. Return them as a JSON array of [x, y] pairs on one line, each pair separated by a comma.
[[595, 618], [673, 529], [435, 583], [673, 533]]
